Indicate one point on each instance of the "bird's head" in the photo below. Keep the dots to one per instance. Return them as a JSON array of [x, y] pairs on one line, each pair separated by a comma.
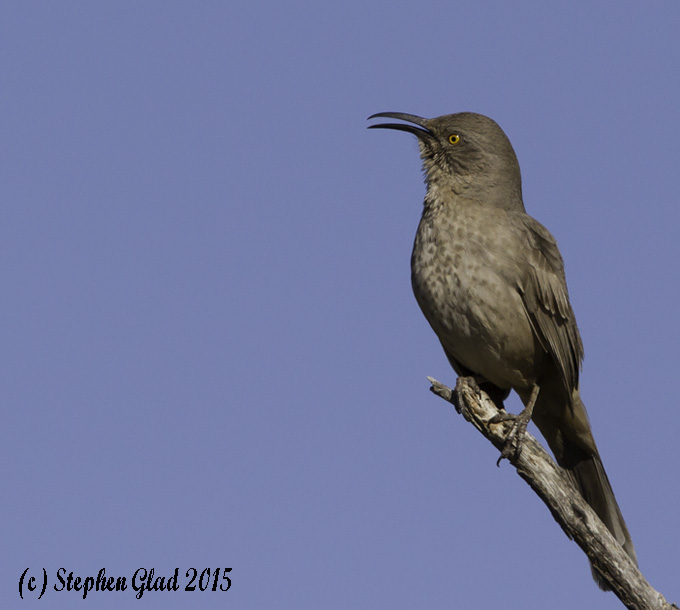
[[465, 152]]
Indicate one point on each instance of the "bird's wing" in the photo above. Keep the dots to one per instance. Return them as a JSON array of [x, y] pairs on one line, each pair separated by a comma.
[[543, 288]]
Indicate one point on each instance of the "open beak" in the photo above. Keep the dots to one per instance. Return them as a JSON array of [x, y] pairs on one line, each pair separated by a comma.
[[419, 128]]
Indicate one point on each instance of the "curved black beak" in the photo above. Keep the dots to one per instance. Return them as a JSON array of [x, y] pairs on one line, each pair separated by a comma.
[[420, 131]]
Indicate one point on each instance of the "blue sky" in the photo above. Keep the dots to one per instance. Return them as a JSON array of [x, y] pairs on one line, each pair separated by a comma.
[[212, 356]]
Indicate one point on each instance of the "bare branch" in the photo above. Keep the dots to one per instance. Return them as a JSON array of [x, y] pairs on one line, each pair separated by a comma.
[[577, 519]]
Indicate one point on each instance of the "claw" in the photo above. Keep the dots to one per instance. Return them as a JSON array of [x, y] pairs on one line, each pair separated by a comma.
[[459, 403], [512, 446]]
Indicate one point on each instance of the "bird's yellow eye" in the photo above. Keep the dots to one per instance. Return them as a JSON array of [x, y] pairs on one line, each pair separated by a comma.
[[454, 138]]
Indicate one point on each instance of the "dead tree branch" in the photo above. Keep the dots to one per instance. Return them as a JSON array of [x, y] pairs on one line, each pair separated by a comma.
[[577, 519]]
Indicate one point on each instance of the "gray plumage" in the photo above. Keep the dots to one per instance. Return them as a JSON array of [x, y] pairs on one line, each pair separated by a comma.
[[490, 281]]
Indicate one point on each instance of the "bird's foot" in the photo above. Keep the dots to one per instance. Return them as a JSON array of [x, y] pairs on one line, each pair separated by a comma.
[[512, 446], [459, 393]]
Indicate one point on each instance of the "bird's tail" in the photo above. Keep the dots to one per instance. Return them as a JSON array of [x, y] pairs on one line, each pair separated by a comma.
[[572, 443]]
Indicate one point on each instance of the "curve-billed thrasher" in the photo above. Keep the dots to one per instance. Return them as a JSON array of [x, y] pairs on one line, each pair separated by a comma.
[[490, 281]]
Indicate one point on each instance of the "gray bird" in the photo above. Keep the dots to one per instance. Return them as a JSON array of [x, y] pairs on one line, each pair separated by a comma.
[[490, 281]]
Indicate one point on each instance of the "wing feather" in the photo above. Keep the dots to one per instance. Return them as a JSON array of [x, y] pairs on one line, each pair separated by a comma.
[[546, 301]]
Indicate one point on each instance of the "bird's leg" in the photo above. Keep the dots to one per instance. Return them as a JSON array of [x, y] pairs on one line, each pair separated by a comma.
[[513, 441]]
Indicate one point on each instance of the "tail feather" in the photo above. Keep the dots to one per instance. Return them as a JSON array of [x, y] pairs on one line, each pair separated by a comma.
[[573, 446], [593, 483]]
